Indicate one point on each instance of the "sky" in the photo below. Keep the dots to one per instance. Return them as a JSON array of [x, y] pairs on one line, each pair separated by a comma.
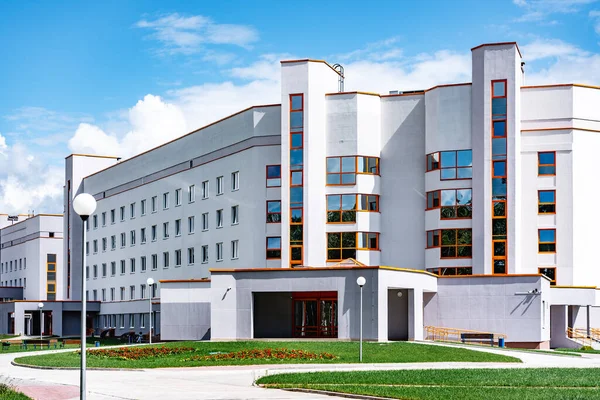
[[120, 77]]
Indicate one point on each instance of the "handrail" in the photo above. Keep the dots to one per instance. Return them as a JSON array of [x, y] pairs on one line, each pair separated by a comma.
[[444, 334], [594, 333], [579, 337]]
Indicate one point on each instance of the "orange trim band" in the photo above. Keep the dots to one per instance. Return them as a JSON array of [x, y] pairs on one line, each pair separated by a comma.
[[567, 128], [310, 60], [342, 93], [449, 85], [561, 85], [91, 155]]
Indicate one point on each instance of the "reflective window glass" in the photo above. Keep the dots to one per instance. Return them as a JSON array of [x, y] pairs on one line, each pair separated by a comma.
[[296, 102], [333, 164], [464, 158], [296, 120], [348, 164], [499, 128], [547, 235], [499, 89], [448, 159]]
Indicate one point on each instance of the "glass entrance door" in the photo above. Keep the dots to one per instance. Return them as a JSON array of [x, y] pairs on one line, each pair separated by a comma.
[[315, 314]]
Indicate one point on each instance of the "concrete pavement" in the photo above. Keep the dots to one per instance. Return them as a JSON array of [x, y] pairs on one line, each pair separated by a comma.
[[229, 382]]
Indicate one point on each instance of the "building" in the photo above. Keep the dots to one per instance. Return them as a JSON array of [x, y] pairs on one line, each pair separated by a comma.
[[463, 205]]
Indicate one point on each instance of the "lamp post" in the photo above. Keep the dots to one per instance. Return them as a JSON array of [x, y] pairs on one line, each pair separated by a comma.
[[84, 205], [361, 282], [41, 306], [150, 282]]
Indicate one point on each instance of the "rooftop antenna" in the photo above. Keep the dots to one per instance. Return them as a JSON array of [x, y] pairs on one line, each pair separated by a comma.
[[340, 71]]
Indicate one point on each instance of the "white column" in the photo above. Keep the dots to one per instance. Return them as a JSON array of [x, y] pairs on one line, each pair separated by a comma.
[[415, 314]]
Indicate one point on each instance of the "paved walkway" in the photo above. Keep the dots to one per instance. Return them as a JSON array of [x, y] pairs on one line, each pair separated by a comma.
[[232, 382]]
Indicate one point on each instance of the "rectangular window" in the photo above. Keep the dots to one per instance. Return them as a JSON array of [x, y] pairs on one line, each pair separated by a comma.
[[343, 245], [177, 197], [273, 175], [132, 210], [123, 239], [550, 272], [95, 270], [95, 295], [205, 221], [113, 242], [219, 218], [450, 271], [143, 235], [235, 181], [205, 190], [112, 216], [191, 224], [190, 253], [219, 248], [143, 263], [166, 259], [122, 213], [273, 248], [95, 246], [343, 170], [546, 201], [455, 164], [204, 254], [131, 320], [191, 193], [142, 291], [104, 244], [177, 227], [121, 321], [235, 244], [165, 201], [142, 320], [153, 203], [132, 237], [154, 262], [178, 258], [104, 270], [112, 294], [122, 293], [235, 215], [87, 251], [547, 240], [153, 230], [165, 230], [453, 243], [113, 268], [122, 267], [132, 265], [453, 203], [343, 208], [95, 219], [274, 211], [104, 218], [132, 292], [219, 185], [143, 207], [547, 163], [103, 294]]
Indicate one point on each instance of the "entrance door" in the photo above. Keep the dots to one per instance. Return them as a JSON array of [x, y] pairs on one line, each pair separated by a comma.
[[48, 322], [315, 314]]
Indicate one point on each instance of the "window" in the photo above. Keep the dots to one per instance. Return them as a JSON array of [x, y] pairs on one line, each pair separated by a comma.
[[235, 215], [121, 321], [343, 208], [95, 246], [166, 259], [142, 320], [190, 253], [113, 268], [143, 235], [122, 293], [235, 244], [205, 190], [219, 251], [204, 254], [547, 240], [143, 263], [104, 244], [177, 197], [95, 219], [95, 270], [142, 291], [343, 170], [165, 230], [143, 207], [165, 200], [453, 203], [191, 193], [273, 248], [104, 270], [191, 224], [95, 294], [446, 271], [273, 175], [178, 258], [122, 213], [550, 272], [153, 204], [205, 221], [455, 164], [235, 181], [153, 232], [132, 265], [132, 237], [343, 245], [274, 211], [453, 243], [132, 210], [219, 218], [87, 251], [132, 292], [103, 294], [154, 262], [112, 216], [122, 267], [547, 163], [123, 239], [113, 242], [219, 185], [104, 218], [131, 320], [112, 294], [546, 201]]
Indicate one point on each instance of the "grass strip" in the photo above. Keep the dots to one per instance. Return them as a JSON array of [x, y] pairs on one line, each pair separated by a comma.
[[7, 393]]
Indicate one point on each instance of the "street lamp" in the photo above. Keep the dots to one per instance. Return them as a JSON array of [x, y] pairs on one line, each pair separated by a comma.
[[150, 282], [84, 205], [40, 306], [361, 282]]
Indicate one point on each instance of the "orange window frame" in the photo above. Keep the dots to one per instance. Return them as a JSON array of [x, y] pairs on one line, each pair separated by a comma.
[[552, 281], [456, 244], [367, 240], [547, 243], [357, 206], [438, 271], [543, 204], [355, 247], [432, 195], [273, 248], [433, 234], [547, 165], [273, 213], [356, 169], [274, 177], [438, 164]]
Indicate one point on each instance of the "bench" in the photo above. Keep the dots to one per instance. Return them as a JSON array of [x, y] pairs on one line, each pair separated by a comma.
[[70, 341], [477, 337], [5, 345]]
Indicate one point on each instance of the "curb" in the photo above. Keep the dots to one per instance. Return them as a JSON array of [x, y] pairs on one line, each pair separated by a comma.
[[337, 394], [16, 364]]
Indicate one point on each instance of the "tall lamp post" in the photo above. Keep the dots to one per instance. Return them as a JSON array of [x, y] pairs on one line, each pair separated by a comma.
[[150, 282], [84, 205], [361, 282], [41, 306]]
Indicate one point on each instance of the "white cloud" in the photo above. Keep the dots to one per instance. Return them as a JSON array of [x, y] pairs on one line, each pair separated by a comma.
[[595, 15], [538, 10], [545, 48], [189, 35]]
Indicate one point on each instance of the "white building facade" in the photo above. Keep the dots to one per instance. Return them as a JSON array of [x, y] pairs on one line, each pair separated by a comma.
[[468, 192]]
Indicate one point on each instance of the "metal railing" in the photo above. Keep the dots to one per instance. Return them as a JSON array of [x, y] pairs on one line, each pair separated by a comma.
[[594, 333], [580, 337], [443, 334]]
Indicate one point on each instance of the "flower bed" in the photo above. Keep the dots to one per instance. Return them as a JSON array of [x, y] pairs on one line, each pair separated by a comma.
[[265, 354], [137, 353]]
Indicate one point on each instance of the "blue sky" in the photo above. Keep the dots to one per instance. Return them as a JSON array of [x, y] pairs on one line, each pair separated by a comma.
[[116, 77]]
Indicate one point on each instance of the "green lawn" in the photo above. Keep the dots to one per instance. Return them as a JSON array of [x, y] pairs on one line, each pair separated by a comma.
[[16, 348], [592, 351], [6, 393], [346, 352], [466, 384]]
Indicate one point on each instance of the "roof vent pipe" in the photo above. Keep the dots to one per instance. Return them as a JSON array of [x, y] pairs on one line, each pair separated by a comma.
[[340, 71]]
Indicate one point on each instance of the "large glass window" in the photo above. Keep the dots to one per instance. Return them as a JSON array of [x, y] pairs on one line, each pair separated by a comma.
[[273, 247], [274, 211], [273, 175], [343, 170], [342, 208], [343, 245], [453, 203], [450, 271], [547, 163], [453, 243], [547, 240], [550, 272], [546, 201], [455, 164]]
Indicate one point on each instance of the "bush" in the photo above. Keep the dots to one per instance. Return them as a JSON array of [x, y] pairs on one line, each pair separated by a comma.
[[265, 354], [586, 348], [137, 353]]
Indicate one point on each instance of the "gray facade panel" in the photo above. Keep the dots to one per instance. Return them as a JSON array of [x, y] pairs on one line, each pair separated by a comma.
[[272, 315], [185, 321]]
